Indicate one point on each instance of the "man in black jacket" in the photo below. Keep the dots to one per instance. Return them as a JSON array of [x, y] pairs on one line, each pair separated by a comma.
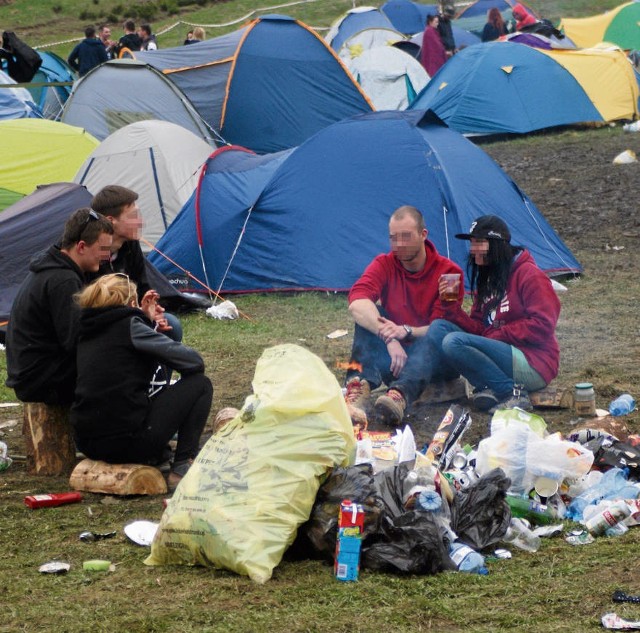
[[43, 324]]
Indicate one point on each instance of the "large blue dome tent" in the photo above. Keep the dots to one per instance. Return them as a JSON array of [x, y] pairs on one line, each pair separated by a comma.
[[314, 217]]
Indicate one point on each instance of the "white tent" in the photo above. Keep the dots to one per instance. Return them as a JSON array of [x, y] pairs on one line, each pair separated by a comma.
[[158, 160], [390, 77]]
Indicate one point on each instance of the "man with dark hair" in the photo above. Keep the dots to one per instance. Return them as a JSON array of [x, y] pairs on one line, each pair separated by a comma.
[[392, 304], [149, 42], [104, 34], [130, 40], [87, 54], [43, 325], [447, 13], [119, 205]]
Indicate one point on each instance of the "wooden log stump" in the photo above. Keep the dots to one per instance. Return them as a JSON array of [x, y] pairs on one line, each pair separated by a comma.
[[552, 397], [117, 479], [49, 440]]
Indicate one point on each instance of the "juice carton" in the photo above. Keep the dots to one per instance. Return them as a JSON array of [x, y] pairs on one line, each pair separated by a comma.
[[350, 533]]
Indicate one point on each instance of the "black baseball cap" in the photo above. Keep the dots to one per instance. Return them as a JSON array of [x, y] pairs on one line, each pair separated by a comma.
[[487, 227]]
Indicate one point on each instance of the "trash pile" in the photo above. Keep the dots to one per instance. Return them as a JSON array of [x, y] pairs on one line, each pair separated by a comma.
[[288, 469], [590, 477]]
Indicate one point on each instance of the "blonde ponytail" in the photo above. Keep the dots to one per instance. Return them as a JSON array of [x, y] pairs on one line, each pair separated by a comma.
[[108, 291]]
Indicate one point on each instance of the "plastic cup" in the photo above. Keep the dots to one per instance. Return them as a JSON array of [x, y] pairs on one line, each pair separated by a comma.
[[450, 292], [545, 486]]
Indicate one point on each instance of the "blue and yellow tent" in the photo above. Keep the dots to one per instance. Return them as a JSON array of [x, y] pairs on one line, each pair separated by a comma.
[[620, 26], [501, 87]]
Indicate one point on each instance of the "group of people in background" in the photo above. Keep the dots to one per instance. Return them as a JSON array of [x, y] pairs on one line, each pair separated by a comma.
[[97, 46], [438, 42]]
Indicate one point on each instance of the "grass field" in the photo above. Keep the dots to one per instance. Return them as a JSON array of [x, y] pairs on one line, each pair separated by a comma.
[[558, 589], [47, 22]]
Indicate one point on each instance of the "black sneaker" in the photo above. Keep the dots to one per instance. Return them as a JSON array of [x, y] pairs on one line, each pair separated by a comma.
[[484, 399]]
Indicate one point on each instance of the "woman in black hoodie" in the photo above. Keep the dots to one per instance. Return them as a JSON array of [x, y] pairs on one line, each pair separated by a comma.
[[114, 418]]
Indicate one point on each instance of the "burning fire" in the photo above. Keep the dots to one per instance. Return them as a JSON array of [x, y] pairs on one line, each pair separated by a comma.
[[350, 365]]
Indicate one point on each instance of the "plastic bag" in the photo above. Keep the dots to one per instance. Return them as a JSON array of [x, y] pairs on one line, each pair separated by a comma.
[[558, 459], [355, 484], [480, 516], [612, 485], [506, 448], [394, 540], [254, 482], [411, 543], [525, 456], [613, 453]]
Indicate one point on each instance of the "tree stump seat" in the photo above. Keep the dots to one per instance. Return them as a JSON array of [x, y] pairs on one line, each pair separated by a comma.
[[117, 479], [50, 447]]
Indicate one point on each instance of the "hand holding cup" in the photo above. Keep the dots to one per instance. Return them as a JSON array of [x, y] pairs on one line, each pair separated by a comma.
[[449, 286]]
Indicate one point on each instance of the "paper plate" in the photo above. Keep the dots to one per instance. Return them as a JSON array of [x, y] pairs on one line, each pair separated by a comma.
[[141, 532]]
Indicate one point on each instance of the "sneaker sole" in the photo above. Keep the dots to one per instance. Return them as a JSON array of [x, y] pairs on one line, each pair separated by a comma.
[[387, 414]]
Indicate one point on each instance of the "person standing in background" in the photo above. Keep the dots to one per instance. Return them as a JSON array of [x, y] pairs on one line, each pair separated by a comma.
[[433, 54]]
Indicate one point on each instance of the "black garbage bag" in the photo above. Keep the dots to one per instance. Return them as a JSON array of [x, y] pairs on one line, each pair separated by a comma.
[[22, 61], [356, 484], [611, 453], [412, 543], [480, 514], [394, 540]]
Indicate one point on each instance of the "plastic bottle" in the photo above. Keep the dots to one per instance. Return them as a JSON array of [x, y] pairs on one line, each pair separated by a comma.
[[603, 521], [54, 499], [519, 535], [622, 405], [525, 508], [467, 559], [428, 501]]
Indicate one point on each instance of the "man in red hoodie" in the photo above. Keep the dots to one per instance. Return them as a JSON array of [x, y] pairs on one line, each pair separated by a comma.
[[393, 303]]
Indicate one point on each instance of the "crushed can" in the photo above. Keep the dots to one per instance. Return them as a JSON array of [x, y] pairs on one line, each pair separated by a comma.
[[349, 542]]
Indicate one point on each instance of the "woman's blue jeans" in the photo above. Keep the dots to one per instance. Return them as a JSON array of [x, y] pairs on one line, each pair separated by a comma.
[[448, 351], [484, 362]]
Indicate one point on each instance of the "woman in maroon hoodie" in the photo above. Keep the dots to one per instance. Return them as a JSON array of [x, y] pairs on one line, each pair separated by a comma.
[[506, 346]]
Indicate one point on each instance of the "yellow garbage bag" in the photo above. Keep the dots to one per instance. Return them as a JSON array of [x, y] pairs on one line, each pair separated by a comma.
[[254, 482]]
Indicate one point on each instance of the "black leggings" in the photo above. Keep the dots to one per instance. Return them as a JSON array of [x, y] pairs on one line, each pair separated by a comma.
[[182, 407]]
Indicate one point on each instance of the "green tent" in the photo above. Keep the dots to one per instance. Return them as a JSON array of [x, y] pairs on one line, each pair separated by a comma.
[[37, 152], [620, 26]]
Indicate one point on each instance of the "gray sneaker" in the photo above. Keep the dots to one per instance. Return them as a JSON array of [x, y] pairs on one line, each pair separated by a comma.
[[519, 400], [484, 399]]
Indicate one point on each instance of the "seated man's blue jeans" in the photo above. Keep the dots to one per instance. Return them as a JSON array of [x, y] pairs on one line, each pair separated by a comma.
[[371, 352]]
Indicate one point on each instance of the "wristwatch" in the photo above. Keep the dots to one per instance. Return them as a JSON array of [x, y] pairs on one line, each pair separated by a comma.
[[408, 330]]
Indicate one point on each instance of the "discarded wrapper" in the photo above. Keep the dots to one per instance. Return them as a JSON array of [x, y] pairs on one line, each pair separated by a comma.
[[614, 621], [91, 537], [625, 158], [224, 310], [337, 333], [580, 537], [141, 532]]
